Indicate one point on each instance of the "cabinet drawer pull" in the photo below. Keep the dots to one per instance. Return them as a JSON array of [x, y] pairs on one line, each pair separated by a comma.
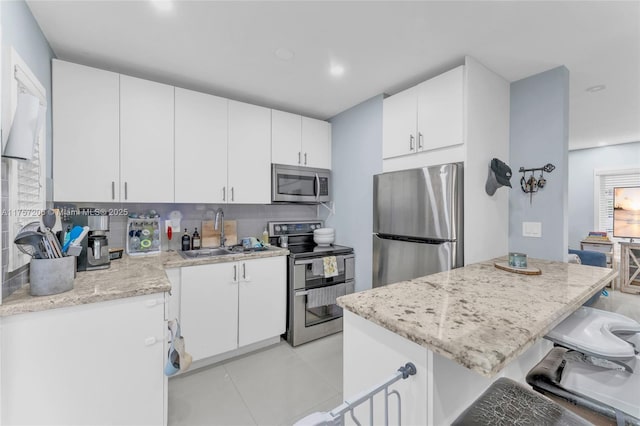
[[149, 341], [420, 139], [411, 144], [113, 190]]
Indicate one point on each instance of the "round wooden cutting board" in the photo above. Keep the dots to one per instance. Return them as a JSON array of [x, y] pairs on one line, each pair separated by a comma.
[[529, 270]]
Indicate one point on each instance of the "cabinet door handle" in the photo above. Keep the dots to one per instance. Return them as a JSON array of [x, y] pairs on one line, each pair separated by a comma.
[[233, 198], [244, 271], [299, 157], [305, 158], [235, 273], [420, 139], [224, 193], [125, 191], [411, 145], [113, 190]]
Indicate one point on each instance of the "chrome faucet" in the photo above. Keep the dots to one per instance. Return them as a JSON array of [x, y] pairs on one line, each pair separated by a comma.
[[219, 224]]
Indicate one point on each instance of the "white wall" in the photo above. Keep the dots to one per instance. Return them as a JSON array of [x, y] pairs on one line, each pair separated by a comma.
[[582, 164], [486, 218], [356, 155], [539, 135]]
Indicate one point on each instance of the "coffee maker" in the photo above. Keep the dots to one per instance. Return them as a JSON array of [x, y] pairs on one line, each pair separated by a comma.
[[95, 247]]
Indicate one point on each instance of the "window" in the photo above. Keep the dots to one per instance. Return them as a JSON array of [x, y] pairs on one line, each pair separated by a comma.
[[26, 178], [604, 182]]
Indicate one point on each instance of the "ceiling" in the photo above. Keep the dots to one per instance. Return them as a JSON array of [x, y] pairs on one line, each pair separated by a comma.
[[229, 49]]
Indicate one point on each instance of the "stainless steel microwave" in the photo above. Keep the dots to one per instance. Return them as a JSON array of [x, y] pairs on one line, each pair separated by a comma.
[[293, 184]]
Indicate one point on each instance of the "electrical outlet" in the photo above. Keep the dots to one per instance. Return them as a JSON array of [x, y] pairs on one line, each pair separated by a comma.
[[532, 229]]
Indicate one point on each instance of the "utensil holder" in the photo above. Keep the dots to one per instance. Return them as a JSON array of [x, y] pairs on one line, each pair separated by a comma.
[[52, 276]]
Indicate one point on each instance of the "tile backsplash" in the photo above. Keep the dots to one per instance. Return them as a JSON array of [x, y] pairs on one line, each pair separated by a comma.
[[11, 281], [251, 218]]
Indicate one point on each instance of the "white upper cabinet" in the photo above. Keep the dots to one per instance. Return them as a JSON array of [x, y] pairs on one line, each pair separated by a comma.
[[200, 147], [441, 110], [85, 133], [400, 123], [146, 140], [300, 141], [425, 117], [249, 154], [286, 138], [316, 143]]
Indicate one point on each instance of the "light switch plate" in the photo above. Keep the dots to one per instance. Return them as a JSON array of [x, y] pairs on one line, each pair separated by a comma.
[[532, 229]]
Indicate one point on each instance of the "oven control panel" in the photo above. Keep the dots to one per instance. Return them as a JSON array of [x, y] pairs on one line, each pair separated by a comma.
[[294, 228]]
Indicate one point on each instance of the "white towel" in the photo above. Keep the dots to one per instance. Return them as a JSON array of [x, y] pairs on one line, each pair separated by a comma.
[[325, 296], [330, 266], [317, 267]]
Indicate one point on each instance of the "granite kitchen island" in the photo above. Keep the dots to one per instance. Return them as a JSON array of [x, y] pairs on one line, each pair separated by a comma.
[[462, 329]]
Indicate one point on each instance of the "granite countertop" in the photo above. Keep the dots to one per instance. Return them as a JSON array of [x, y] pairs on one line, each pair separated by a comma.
[[479, 316], [126, 277]]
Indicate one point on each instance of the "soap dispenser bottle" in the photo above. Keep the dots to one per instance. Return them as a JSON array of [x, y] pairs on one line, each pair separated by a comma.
[[195, 240], [265, 237], [186, 241]]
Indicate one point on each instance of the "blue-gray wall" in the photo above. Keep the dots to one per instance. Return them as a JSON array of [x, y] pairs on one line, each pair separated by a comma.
[[20, 30], [582, 164], [539, 123], [356, 156]]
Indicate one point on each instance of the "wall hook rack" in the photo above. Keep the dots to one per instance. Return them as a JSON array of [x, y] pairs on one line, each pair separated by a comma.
[[530, 184]]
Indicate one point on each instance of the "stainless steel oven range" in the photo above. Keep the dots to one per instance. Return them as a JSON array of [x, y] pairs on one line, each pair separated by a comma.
[[312, 311]]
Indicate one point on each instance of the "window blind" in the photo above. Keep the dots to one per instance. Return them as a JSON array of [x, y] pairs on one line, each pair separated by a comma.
[[609, 181], [27, 197]]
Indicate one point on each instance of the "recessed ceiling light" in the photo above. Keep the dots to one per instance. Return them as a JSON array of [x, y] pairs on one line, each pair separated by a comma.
[[597, 88], [336, 70], [163, 5], [284, 53]]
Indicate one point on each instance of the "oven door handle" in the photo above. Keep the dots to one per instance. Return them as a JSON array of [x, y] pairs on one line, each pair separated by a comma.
[[301, 293], [309, 261]]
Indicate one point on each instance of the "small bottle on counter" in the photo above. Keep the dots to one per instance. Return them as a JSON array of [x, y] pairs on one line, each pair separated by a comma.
[[195, 240], [265, 236], [186, 241]]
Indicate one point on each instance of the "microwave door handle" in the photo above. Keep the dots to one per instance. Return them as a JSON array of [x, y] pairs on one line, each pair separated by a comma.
[[317, 188]]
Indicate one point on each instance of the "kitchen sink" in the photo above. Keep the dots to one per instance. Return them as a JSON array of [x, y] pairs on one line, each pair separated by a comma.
[[211, 252]]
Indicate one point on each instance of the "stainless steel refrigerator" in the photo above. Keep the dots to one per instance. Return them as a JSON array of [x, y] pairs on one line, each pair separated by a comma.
[[417, 222]]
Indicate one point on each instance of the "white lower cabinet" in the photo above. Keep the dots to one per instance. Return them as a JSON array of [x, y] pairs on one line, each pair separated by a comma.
[[225, 306], [100, 363], [262, 301], [209, 309]]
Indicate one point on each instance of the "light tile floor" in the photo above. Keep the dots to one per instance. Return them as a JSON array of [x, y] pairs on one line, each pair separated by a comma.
[[622, 303], [275, 386], [281, 384]]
